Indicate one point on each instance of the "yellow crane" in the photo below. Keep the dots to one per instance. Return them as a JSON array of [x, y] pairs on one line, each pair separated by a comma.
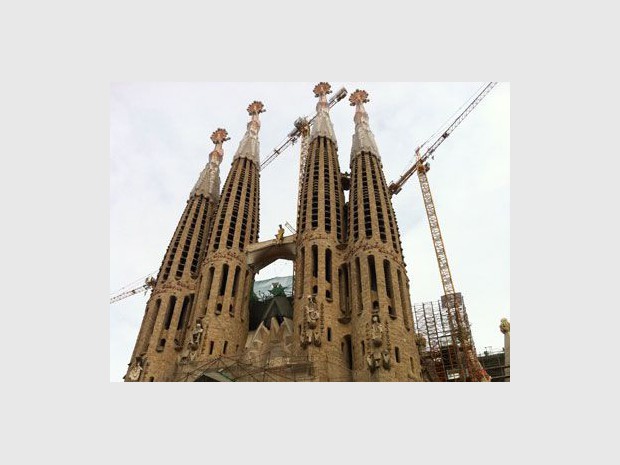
[[452, 301]]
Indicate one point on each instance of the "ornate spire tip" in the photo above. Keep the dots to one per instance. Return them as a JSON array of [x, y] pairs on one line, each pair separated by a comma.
[[322, 88], [256, 108], [219, 136], [359, 96]]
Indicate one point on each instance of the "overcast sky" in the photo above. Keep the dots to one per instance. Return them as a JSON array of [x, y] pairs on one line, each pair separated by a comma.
[[159, 143]]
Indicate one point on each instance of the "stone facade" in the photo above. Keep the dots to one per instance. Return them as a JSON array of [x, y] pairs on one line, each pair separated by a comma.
[[352, 318], [384, 342], [165, 324], [321, 242]]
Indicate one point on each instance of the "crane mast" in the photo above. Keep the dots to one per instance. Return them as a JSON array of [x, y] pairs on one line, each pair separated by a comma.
[[433, 221], [451, 300]]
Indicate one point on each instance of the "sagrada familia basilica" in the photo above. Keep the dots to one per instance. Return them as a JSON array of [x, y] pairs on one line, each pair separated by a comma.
[[350, 316]]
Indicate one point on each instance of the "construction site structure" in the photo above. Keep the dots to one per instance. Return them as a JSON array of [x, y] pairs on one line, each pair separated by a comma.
[[471, 370], [440, 339]]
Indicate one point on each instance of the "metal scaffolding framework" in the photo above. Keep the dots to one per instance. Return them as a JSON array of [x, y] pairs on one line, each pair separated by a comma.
[[448, 347]]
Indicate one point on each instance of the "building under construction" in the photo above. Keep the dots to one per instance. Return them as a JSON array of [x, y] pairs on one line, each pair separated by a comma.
[[348, 314]]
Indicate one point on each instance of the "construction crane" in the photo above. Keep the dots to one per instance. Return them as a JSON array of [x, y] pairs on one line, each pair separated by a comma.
[[396, 186], [149, 283], [296, 133], [452, 301]]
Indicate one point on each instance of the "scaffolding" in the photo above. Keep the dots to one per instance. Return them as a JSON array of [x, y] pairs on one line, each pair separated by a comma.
[[446, 341], [263, 368]]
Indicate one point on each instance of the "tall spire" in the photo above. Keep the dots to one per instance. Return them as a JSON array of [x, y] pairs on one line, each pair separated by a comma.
[[363, 139], [249, 145], [209, 181], [322, 124]]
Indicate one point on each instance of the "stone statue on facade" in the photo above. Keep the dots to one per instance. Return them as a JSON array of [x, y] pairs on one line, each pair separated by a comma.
[[280, 234], [377, 331], [378, 344], [136, 370], [312, 326], [196, 335]]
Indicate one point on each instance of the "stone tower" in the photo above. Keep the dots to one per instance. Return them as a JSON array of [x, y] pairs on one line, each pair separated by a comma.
[[384, 342], [166, 317], [321, 244], [220, 323]]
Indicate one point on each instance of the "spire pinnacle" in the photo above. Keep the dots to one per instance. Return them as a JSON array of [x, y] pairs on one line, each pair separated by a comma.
[[363, 138], [208, 183], [322, 125], [256, 108], [218, 137], [249, 146]]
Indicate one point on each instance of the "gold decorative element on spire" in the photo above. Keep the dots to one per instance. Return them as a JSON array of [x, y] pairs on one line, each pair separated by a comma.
[[322, 124], [363, 138]]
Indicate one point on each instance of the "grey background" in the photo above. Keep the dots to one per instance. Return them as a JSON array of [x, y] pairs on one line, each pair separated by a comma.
[[59, 60]]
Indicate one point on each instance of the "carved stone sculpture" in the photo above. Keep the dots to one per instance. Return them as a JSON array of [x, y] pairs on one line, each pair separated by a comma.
[[312, 326], [196, 335], [136, 370], [377, 331], [378, 343], [504, 326]]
